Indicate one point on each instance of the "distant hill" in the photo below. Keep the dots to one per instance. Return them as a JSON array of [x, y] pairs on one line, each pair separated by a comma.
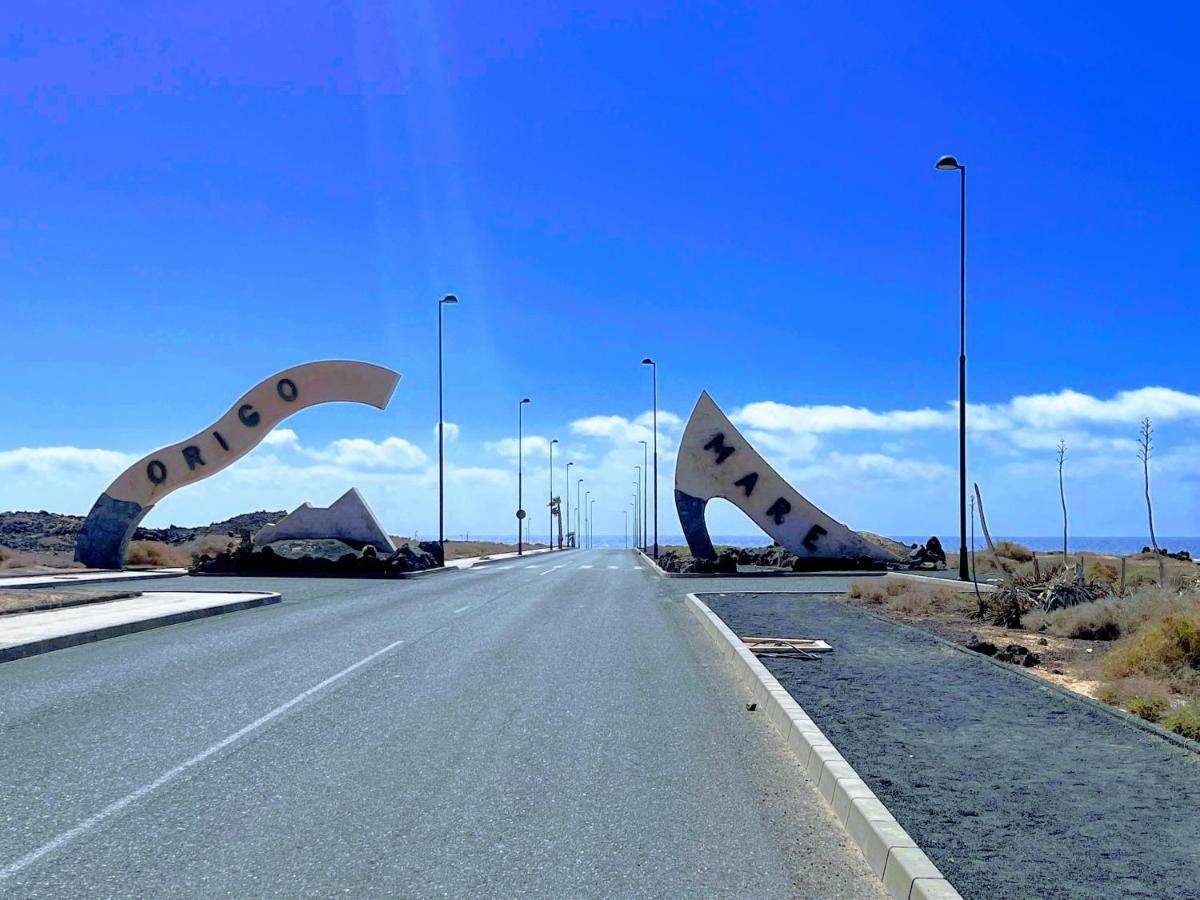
[[47, 532]]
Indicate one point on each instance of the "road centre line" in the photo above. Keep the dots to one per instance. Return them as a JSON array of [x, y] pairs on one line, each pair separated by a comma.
[[585, 567], [115, 807], [548, 571], [462, 609]]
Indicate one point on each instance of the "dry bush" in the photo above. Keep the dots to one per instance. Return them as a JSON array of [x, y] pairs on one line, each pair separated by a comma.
[[1148, 708], [1101, 570], [1168, 649], [11, 559], [1185, 721], [155, 553], [1099, 621], [877, 590], [1014, 551]]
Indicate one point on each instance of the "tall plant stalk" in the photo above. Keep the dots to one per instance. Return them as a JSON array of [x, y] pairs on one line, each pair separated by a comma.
[[1145, 451], [1062, 495]]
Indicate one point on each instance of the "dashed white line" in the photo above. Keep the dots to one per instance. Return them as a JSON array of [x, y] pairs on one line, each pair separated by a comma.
[[534, 566], [551, 569], [614, 567], [585, 567], [115, 807], [461, 609]]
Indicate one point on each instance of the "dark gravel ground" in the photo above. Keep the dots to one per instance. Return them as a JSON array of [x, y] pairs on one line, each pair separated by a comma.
[[1011, 788]]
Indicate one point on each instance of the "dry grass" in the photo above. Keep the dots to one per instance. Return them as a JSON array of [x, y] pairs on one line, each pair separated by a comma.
[[908, 597], [11, 559], [28, 601], [156, 554]]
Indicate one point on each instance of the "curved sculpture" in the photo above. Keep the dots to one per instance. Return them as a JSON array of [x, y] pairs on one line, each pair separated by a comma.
[[716, 461], [116, 514]]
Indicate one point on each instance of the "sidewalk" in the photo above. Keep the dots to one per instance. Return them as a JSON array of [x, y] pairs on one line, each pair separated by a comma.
[[57, 579], [27, 634], [469, 561]]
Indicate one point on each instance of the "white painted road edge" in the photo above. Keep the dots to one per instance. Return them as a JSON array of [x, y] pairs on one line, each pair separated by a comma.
[[18, 865], [903, 868]]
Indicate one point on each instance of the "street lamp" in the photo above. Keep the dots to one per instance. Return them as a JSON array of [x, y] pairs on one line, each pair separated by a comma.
[[625, 529], [520, 476], [638, 512], [654, 370], [578, 530], [552, 443], [586, 507], [950, 164], [568, 496], [645, 473], [591, 522], [448, 300]]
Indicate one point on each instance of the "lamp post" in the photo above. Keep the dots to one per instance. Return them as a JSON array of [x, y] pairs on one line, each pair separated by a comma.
[[950, 164], [568, 496], [578, 530], [645, 472], [587, 533], [520, 476], [552, 443], [654, 371], [625, 529], [591, 522], [638, 512], [448, 300]]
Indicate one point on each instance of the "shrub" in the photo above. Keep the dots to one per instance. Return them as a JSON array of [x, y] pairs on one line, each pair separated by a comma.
[[154, 553], [10, 559], [1184, 721], [1100, 621], [1014, 551], [1160, 648], [1101, 570], [1148, 708]]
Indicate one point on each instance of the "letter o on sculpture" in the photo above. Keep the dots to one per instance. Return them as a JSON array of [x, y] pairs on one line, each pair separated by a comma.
[[116, 513]]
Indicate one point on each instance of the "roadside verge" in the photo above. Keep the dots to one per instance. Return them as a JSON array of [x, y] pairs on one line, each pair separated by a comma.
[[31, 633], [903, 868]]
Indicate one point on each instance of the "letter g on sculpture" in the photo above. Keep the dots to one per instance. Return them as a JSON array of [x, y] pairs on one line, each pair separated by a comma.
[[105, 534]]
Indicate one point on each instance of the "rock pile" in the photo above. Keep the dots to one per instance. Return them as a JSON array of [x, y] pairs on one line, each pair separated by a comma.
[[245, 560]]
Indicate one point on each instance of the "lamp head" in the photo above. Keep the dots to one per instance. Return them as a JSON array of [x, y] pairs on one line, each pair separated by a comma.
[[555, 441], [948, 164], [449, 298], [647, 361], [526, 400]]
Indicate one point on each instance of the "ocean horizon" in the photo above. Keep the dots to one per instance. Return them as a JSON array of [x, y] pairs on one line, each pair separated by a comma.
[[1115, 545]]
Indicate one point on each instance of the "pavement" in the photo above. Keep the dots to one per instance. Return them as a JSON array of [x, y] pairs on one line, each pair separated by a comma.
[[92, 576], [28, 633], [552, 726]]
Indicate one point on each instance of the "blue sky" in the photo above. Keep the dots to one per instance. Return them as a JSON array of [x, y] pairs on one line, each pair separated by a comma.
[[200, 195]]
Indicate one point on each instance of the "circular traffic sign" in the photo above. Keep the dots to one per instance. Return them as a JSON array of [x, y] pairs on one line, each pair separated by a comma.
[[520, 513]]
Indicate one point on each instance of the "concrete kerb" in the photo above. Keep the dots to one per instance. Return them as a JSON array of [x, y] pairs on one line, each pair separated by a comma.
[[902, 867], [71, 578], [659, 570], [58, 642]]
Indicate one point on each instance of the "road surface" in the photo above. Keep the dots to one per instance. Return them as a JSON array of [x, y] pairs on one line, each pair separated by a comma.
[[554, 726]]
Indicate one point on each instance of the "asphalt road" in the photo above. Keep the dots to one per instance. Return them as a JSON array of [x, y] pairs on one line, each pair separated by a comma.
[[550, 727]]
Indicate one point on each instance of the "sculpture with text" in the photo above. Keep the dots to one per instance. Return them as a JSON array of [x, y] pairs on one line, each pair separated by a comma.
[[105, 534], [716, 461]]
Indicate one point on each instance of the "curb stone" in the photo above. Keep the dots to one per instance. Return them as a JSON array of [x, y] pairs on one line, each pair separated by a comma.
[[903, 868]]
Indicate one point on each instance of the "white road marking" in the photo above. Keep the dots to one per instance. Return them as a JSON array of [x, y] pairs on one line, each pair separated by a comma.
[[585, 567], [614, 567], [534, 566], [461, 609], [548, 571], [115, 807]]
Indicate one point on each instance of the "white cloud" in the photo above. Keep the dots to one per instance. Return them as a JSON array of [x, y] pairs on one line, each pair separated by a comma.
[[58, 459], [532, 447], [363, 453], [281, 437], [771, 416], [621, 430]]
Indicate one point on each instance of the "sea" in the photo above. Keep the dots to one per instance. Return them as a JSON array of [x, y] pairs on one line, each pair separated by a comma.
[[1107, 544]]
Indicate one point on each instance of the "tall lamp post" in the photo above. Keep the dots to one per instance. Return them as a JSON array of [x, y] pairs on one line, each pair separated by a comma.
[[448, 300], [586, 531], [591, 522], [520, 476], [568, 496], [552, 443], [950, 164], [578, 507], [625, 528], [654, 371], [645, 473], [638, 512]]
